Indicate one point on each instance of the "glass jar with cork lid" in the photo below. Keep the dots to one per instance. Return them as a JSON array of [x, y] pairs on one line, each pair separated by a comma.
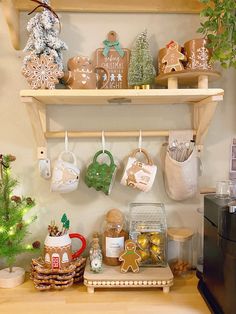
[[180, 251], [114, 237]]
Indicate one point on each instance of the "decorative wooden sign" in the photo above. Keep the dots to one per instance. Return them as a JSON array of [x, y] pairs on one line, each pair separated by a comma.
[[116, 60]]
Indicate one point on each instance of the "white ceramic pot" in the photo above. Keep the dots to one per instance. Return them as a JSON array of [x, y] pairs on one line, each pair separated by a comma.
[[13, 279]]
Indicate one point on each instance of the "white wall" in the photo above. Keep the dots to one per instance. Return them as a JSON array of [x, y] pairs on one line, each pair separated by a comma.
[[85, 207]]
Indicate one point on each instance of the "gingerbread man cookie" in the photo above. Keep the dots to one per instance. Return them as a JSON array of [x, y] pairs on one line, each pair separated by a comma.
[[173, 58], [130, 258]]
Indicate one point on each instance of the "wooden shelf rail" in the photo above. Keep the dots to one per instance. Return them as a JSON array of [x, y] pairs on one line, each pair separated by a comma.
[[115, 134], [203, 102]]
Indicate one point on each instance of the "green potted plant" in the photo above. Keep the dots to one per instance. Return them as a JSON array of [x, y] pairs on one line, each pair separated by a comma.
[[13, 226], [219, 26]]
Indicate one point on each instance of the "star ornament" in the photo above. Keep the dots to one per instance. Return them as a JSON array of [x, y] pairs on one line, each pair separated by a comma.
[[41, 72]]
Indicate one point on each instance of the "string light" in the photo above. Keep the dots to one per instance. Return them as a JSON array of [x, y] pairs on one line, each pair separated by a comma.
[[11, 232], [24, 211]]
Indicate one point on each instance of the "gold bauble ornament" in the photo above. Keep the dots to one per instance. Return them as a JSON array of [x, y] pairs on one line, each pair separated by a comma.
[[155, 249], [144, 254], [142, 241], [155, 238]]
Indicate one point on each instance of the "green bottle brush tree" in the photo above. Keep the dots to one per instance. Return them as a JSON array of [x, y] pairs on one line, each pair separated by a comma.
[[13, 227], [141, 69]]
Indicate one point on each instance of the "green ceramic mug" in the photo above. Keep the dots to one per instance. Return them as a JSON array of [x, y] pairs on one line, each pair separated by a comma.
[[101, 176]]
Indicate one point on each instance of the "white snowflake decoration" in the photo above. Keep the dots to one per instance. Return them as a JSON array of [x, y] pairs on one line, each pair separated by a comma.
[[43, 38], [41, 72]]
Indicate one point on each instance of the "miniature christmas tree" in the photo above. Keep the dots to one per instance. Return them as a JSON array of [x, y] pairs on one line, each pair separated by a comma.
[[13, 228], [141, 69], [44, 29]]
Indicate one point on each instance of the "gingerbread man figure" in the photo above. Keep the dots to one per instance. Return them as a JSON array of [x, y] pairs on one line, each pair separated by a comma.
[[172, 58], [130, 258]]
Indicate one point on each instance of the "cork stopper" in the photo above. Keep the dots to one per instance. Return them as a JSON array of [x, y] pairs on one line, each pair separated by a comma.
[[115, 216], [180, 234]]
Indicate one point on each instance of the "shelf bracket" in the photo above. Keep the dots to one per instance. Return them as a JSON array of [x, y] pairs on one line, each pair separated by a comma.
[[203, 113], [11, 15], [37, 115]]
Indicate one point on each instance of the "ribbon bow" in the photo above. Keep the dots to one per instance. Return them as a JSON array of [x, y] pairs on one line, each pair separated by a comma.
[[109, 44], [45, 6]]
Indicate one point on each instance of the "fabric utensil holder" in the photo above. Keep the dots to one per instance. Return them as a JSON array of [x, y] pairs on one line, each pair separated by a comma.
[[65, 176], [181, 178], [137, 174]]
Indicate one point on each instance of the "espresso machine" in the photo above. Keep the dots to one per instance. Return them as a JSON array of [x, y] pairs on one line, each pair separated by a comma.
[[218, 282]]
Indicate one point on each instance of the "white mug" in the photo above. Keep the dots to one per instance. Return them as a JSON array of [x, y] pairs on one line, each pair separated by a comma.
[[65, 176], [138, 174]]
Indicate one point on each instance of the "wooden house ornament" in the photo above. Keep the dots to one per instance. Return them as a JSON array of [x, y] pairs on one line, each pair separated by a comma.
[[116, 59]]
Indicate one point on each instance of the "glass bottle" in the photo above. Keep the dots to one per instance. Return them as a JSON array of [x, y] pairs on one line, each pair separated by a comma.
[[180, 251], [95, 254], [114, 236]]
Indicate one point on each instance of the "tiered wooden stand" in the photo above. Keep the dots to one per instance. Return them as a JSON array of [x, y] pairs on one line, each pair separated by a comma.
[[190, 78], [111, 277]]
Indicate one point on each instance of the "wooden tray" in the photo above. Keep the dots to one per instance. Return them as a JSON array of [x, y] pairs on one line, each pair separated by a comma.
[[190, 78], [111, 277]]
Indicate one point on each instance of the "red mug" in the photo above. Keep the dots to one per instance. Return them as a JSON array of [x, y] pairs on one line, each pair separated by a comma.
[[58, 250]]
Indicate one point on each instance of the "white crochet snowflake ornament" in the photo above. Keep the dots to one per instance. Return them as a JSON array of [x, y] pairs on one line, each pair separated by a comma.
[[42, 72]]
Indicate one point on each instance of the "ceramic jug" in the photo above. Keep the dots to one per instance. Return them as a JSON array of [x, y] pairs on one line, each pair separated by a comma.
[[198, 54], [101, 176], [58, 250], [137, 174], [82, 74], [65, 175]]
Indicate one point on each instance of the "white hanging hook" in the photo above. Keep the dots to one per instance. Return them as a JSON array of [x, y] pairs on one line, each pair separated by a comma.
[[140, 141], [66, 141], [103, 142]]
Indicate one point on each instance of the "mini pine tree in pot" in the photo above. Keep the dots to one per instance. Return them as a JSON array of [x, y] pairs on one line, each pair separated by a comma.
[[13, 227], [141, 70]]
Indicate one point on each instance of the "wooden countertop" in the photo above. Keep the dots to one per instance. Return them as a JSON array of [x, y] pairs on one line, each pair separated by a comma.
[[183, 298]]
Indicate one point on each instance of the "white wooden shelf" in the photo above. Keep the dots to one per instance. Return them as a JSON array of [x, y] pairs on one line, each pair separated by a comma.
[[11, 9], [203, 101], [122, 96]]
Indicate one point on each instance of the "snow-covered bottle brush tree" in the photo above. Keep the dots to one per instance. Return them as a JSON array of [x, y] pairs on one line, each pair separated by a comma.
[[44, 30]]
